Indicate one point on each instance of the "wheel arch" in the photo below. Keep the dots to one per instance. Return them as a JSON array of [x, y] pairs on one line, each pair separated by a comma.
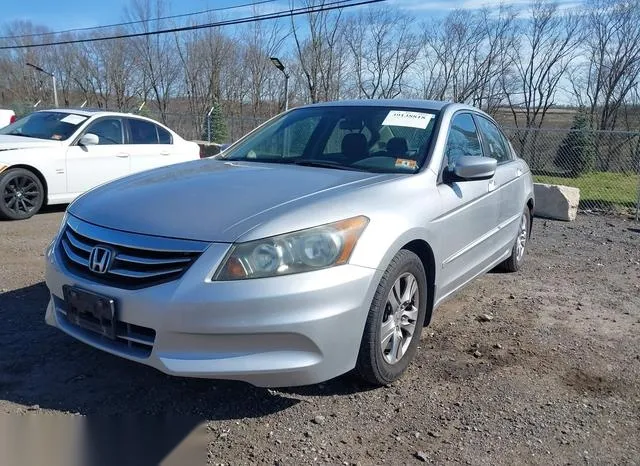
[[38, 173], [531, 204], [423, 250]]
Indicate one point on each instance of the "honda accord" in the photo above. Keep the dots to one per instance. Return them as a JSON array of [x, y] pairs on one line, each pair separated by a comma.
[[319, 243]]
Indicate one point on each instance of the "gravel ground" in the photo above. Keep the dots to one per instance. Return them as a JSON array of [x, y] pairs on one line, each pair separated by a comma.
[[552, 378]]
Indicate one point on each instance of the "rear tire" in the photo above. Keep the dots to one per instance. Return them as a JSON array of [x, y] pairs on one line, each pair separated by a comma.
[[21, 194], [392, 331], [515, 261]]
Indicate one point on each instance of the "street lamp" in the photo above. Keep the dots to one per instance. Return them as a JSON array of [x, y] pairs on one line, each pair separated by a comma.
[[278, 64], [53, 76]]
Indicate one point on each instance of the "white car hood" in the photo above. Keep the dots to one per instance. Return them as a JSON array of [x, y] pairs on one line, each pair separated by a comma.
[[20, 142]]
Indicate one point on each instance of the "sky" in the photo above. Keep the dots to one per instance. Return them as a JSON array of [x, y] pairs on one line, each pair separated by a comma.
[[67, 14]]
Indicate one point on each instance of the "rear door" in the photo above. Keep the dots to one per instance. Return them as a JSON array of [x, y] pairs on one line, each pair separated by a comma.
[[508, 180], [149, 144], [470, 211], [89, 166]]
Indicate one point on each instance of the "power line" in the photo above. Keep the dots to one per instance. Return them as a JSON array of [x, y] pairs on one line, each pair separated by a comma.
[[128, 23], [279, 14]]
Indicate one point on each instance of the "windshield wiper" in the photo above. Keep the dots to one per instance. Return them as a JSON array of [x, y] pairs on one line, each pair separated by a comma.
[[325, 164]]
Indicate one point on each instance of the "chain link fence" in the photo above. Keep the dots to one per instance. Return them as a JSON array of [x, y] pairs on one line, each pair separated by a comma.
[[604, 165], [204, 128]]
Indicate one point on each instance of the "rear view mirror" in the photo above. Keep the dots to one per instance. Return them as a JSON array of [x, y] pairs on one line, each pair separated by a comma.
[[89, 139], [473, 168]]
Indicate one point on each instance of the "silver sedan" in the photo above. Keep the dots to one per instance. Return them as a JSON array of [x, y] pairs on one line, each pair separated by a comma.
[[319, 243]]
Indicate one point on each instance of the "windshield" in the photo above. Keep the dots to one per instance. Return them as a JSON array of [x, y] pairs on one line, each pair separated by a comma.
[[46, 125], [376, 139]]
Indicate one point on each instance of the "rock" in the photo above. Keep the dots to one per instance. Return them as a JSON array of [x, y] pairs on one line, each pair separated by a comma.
[[477, 354], [497, 346], [422, 456], [556, 201], [485, 318], [434, 434], [416, 434], [319, 420]]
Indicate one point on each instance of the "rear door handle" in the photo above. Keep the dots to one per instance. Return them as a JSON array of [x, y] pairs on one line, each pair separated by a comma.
[[165, 153], [122, 155]]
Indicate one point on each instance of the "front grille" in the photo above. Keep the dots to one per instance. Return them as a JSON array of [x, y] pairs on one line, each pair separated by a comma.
[[131, 339], [138, 261]]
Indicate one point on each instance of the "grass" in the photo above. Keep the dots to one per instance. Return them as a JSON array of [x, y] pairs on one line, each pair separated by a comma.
[[600, 189]]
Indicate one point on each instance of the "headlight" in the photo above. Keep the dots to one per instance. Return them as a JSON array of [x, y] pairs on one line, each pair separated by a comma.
[[301, 251], [63, 223], [50, 246]]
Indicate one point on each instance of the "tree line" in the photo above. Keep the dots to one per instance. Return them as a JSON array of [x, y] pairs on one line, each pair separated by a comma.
[[526, 61]]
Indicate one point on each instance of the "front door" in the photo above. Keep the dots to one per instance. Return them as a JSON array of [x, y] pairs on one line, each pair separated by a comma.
[[508, 181], [470, 212], [89, 166]]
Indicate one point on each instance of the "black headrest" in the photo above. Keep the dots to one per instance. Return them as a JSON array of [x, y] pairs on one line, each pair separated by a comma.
[[354, 145], [397, 146]]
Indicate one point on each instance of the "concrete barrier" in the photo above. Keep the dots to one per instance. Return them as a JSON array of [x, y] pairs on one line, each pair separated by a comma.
[[556, 201]]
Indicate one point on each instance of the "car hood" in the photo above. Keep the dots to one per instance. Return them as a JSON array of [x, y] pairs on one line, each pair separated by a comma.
[[209, 200], [20, 142]]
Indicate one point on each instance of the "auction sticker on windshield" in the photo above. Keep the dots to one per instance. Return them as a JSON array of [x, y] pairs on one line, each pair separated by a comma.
[[408, 119], [73, 119]]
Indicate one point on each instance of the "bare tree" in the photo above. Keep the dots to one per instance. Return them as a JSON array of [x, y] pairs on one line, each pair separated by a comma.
[[262, 40], [321, 54], [613, 66], [383, 47], [156, 54], [549, 40]]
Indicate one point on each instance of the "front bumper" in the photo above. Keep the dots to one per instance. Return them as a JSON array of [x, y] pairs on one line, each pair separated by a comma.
[[283, 331]]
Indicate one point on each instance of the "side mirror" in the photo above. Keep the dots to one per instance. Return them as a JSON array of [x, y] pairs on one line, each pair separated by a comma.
[[89, 139], [469, 168]]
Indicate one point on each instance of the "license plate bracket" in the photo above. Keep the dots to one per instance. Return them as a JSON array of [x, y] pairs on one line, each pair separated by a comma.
[[91, 311]]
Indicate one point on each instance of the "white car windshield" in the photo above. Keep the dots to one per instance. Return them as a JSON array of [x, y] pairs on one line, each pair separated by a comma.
[[57, 126], [366, 138]]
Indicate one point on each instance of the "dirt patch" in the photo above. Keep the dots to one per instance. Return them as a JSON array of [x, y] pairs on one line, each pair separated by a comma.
[[552, 378]]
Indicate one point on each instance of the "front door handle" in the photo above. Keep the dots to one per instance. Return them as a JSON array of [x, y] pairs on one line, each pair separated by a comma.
[[165, 153], [122, 155]]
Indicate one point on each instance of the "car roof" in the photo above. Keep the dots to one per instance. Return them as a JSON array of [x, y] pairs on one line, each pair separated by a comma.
[[86, 111], [433, 105]]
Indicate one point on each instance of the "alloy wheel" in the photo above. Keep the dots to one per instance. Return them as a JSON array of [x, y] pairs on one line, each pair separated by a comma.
[[21, 194], [400, 317], [521, 242]]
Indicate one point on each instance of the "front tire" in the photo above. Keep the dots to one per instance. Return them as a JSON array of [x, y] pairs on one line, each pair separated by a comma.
[[21, 194], [516, 259], [392, 331]]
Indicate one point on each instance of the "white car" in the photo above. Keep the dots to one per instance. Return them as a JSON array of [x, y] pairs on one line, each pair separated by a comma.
[[53, 156], [6, 117]]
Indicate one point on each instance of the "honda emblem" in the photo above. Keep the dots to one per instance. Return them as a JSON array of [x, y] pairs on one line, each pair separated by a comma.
[[100, 259]]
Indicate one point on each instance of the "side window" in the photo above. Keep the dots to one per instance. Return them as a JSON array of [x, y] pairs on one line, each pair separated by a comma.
[[108, 130], [142, 132], [463, 139], [494, 143], [164, 136]]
